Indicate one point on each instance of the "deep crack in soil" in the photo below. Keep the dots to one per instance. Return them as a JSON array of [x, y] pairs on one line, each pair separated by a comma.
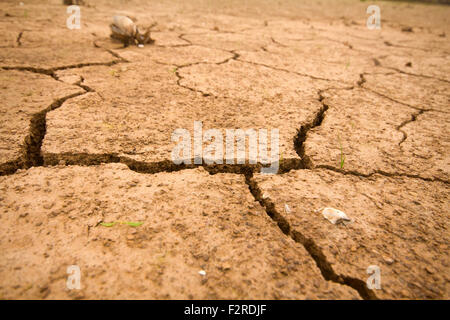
[[404, 123], [319, 257], [32, 155], [300, 138], [38, 127], [19, 36]]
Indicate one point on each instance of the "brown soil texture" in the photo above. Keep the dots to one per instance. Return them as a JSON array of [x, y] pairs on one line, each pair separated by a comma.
[[86, 140]]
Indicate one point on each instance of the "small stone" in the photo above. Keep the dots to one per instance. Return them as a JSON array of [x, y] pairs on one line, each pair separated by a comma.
[[202, 272], [335, 216], [408, 64], [48, 205], [388, 260], [429, 270]]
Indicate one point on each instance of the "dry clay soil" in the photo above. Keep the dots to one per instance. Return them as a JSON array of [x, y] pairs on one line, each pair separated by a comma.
[[86, 139]]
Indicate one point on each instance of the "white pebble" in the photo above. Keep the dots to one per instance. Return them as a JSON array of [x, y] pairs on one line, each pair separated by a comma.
[[202, 272], [334, 215], [286, 208]]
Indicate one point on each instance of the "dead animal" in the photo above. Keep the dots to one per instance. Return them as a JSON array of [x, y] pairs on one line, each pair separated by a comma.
[[126, 31]]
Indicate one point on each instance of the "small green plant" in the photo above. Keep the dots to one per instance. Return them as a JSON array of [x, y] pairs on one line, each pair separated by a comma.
[[342, 152], [111, 224]]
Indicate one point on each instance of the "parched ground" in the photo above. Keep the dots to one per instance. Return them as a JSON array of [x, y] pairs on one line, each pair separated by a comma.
[[86, 140]]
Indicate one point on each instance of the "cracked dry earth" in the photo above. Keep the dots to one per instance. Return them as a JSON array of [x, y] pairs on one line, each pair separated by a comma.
[[86, 138]]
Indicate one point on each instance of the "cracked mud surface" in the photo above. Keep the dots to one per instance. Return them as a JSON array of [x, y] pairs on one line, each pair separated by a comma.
[[86, 138], [223, 231], [405, 238]]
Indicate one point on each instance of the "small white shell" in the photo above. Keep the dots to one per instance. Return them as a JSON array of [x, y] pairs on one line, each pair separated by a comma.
[[334, 215], [202, 272], [140, 45]]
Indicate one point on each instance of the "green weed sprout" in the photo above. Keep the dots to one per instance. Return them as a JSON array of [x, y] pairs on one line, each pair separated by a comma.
[[111, 224]]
